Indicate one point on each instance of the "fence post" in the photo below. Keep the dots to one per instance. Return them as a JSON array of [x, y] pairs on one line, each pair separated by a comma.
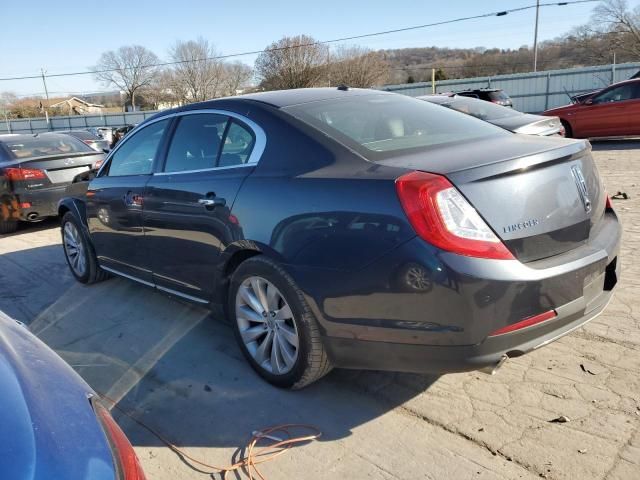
[[489, 82], [546, 97], [30, 127]]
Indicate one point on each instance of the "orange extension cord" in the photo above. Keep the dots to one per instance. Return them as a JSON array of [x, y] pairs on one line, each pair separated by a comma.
[[255, 454]]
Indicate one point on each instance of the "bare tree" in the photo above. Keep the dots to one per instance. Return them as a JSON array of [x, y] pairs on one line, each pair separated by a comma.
[[357, 66], [162, 90], [198, 75], [235, 76], [621, 25], [292, 62], [129, 68]]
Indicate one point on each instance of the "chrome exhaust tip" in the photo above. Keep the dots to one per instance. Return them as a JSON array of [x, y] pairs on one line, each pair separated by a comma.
[[32, 216], [492, 369]]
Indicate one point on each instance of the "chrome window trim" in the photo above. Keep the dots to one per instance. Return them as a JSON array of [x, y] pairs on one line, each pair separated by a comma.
[[212, 169], [258, 147]]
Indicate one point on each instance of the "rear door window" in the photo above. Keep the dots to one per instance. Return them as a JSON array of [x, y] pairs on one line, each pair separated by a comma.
[[196, 143], [237, 147]]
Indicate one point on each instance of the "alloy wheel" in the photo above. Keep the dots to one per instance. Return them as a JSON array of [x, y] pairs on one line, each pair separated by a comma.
[[74, 249], [267, 325]]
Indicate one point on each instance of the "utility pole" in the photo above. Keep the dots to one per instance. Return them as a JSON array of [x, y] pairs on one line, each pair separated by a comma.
[[44, 82], [535, 39]]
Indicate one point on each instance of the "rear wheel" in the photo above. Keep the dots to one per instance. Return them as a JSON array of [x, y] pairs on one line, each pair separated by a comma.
[[79, 253], [568, 132], [276, 330], [8, 226]]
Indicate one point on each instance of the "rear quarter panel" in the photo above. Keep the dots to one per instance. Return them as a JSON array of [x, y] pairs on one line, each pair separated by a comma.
[[313, 203]]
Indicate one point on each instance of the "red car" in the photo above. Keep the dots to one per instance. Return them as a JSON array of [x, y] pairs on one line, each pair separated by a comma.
[[611, 112]]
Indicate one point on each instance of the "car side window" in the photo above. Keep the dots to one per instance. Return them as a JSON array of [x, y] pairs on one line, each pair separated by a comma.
[[135, 156], [618, 94], [237, 147], [196, 142]]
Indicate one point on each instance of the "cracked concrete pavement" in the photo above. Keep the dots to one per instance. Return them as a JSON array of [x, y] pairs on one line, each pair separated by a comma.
[[178, 370]]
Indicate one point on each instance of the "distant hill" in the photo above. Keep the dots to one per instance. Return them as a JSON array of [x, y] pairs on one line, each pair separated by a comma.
[[415, 64]]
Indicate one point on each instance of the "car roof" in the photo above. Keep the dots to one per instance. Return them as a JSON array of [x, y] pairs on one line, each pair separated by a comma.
[[438, 99], [623, 82], [285, 98]]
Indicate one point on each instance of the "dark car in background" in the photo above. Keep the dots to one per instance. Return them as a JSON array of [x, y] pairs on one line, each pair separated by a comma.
[[507, 118], [353, 228], [52, 424], [611, 112], [493, 95], [35, 170], [88, 138]]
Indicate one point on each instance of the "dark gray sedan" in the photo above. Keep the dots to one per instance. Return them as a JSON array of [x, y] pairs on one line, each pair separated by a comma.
[[353, 228], [35, 170], [507, 118]]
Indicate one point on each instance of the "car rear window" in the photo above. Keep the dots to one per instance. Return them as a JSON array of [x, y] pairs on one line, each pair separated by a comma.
[[481, 109], [381, 126], [45, 145]]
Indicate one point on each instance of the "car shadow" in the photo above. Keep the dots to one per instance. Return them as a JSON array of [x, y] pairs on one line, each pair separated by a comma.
[[30, 227], [616, 144], [176, 368]]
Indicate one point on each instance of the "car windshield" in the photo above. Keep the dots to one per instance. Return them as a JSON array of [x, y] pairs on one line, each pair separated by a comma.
[[45, 145], [481, 109], [377, 126]]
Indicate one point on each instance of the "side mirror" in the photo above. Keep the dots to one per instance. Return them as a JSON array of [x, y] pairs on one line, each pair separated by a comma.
[[84, 176], [106, 150]]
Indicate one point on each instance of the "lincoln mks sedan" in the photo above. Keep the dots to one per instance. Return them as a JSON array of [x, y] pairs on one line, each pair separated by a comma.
[[351, 228]]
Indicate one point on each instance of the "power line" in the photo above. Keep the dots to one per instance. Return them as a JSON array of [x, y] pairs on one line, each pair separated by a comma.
[[310, 44]]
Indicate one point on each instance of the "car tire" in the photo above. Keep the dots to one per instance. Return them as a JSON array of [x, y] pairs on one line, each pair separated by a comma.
[[269, 318], [568, 132], [79, 252], [8, 226]]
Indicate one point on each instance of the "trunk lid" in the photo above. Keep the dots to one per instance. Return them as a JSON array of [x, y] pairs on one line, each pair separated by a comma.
[[60, 170], [541, 196]]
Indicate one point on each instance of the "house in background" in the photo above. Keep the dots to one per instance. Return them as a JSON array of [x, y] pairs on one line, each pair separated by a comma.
[[77, 106]]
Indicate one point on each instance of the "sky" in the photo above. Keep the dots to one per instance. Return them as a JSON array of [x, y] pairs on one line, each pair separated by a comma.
[[69, 36]]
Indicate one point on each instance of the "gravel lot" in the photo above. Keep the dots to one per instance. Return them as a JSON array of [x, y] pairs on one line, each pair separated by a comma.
[[178, 370]]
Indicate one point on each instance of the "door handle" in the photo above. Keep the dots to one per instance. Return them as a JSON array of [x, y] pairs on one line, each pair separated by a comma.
[[132, 199], [212, 202]]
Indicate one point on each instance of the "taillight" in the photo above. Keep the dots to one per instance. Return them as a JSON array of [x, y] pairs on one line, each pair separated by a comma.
[[441, 216], [126, 462], [98, 164], [22, 174]]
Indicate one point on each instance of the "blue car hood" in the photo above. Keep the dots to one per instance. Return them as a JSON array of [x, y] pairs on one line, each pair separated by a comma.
[[47, 427]]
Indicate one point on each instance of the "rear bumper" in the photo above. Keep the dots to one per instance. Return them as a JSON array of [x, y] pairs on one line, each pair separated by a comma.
[[375, 319], [43, 203], [362, 354]]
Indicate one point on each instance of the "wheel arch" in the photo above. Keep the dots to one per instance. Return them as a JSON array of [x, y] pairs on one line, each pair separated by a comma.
[[77, 209]]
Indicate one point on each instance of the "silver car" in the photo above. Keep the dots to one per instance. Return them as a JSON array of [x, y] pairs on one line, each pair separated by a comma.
[[507, 118]]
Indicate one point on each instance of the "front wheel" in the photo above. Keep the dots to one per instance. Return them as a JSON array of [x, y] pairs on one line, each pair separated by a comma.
[[79, 253], [276, 330]]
